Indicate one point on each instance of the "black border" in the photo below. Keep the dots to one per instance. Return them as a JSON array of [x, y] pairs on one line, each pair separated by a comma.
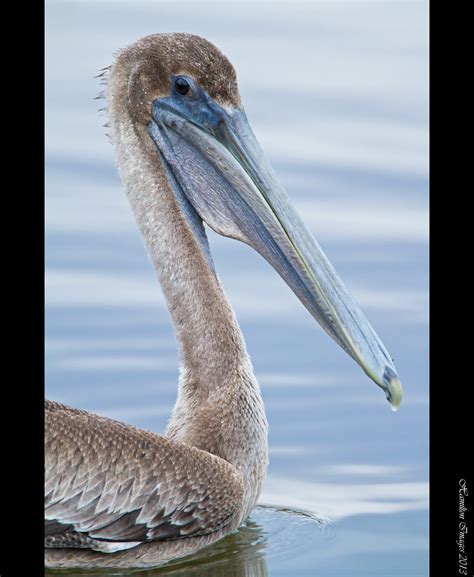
[[22, 202], [450, 423]]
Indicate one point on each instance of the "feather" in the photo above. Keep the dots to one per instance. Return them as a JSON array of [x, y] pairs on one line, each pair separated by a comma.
[[116, 486]]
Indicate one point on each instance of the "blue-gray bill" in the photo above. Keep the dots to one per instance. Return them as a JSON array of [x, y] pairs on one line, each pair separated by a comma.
[[218, 164]]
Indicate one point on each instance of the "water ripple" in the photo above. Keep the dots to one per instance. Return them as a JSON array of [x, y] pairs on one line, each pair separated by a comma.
[[269, 533]]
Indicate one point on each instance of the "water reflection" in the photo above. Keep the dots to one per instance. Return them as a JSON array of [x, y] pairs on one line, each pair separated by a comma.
[[270, 532], [239, 555]]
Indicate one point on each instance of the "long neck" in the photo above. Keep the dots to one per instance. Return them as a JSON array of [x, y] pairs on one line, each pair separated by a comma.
[[219, 406]]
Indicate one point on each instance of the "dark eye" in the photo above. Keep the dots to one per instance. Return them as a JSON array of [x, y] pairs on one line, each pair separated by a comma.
[[181, 86]]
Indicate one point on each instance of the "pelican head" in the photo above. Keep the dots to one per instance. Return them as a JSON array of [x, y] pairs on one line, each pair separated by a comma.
[[182, 96]]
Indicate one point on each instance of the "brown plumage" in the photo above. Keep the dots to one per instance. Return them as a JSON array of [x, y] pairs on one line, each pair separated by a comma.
[[111, 486], [143, 70], [145, 490]]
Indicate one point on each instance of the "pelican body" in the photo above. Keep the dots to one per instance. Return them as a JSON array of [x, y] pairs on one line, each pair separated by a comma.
[[117, 495]]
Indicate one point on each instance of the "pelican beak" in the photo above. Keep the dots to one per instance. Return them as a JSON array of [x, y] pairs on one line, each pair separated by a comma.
[[219, 166]]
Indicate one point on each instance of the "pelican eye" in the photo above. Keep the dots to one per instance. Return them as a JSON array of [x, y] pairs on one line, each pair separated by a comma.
[[181, 86]]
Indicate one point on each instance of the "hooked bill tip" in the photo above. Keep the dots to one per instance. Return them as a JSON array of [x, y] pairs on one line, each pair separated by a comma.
[[394, 390]]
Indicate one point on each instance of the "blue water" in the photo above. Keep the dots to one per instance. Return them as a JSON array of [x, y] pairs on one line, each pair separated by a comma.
[[336, 93]]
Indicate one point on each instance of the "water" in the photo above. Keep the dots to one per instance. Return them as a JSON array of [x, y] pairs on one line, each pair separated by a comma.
[[337, 95]]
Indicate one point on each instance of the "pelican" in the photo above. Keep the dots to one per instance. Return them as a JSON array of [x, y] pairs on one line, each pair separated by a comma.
[[117, 495]]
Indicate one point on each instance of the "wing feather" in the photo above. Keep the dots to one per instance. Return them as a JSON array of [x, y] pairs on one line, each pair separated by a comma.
[[111, 482]]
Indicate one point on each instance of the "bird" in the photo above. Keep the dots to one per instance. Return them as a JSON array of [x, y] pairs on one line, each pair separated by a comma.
[[120, 496]]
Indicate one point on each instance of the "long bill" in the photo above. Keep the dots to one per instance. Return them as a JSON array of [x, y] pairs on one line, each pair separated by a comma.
[[224, 174]]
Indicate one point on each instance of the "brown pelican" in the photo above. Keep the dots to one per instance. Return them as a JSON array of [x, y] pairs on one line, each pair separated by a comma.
[[117, 495]]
